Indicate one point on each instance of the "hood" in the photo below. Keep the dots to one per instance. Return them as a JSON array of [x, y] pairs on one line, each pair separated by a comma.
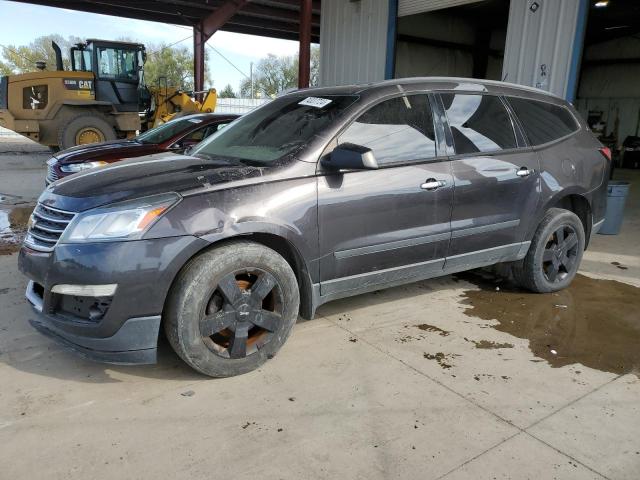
[[102, 151], [140, 177]]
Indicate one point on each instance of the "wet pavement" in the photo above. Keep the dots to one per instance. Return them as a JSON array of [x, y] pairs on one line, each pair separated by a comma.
[[446, 378], [13, 226], [594, 322]]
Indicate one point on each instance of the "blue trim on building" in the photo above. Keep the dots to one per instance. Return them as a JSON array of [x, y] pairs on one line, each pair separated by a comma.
[[576, 54], [392, 26]]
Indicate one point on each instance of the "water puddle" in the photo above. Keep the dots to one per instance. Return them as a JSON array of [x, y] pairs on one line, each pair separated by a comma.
[[594, 322], [13, 226]]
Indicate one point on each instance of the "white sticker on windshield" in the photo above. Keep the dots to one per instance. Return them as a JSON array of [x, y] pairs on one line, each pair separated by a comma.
[[195, 120], [315, 102]]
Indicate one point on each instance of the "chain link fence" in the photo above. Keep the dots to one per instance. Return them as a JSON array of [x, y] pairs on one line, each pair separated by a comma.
[[239, 105]]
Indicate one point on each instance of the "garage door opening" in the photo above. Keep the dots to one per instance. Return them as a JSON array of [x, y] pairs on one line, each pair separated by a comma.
[[608, 90], [462, 41]]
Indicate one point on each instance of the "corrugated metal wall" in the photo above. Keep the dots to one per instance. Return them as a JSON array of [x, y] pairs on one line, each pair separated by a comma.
[[354, 41], [540, 49], [415, 59], [411, 7]]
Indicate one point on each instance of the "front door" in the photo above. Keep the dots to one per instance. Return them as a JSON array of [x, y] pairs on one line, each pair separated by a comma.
[[496, 180], [390, 224], [117, 77]]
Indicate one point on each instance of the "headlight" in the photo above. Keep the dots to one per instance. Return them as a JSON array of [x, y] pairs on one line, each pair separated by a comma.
[[123, 221], [79, 167]]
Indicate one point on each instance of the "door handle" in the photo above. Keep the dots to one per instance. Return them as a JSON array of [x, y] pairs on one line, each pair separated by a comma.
[[433, 184], [524, 172]]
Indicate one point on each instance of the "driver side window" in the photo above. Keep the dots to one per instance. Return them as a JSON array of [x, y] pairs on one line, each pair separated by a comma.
[[397, 130]]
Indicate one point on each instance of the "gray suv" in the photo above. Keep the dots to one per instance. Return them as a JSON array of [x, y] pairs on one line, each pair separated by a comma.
[[320, 194]]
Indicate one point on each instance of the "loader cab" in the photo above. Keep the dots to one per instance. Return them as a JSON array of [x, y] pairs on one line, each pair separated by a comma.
[[117, 69]]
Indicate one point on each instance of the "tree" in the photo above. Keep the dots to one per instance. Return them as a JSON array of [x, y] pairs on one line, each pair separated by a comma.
[[274, 75], [23, 58], [227, 92], [173, 63]]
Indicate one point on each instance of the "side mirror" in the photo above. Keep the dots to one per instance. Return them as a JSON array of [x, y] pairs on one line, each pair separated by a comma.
[[349, 156]]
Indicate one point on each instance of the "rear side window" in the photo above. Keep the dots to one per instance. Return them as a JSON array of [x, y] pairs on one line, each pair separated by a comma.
[[479, 123], [543, 122], [397, 130]]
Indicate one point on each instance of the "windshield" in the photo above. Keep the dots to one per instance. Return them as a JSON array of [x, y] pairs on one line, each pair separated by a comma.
[[168, 130], [277, 129]]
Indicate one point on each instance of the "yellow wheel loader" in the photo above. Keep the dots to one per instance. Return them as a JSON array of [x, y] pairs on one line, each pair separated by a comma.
[[102, 97]]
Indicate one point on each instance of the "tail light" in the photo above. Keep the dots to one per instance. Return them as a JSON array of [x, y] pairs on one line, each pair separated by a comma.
[[606, 152]]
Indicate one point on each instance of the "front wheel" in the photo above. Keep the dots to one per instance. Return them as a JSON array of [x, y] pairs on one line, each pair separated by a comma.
[[85, 129], [232, 308], [554, 255]]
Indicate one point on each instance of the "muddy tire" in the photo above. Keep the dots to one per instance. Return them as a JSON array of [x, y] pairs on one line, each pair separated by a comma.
[[232, 308], [85, 129], [554, 254]]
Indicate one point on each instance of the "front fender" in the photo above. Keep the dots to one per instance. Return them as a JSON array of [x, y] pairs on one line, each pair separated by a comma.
[[285, 209]]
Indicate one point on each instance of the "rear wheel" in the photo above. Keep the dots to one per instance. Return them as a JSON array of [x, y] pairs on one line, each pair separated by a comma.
[[232, 308], [85, 129], [555, 253]]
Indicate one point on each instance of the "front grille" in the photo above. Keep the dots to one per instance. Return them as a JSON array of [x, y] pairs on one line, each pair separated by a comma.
[[47, 226], [52, 175]]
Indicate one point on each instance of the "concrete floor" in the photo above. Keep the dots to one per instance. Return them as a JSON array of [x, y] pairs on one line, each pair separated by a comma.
[[403, 383]]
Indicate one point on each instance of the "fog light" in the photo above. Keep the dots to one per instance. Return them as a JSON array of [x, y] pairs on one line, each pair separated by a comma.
[[86, 290]]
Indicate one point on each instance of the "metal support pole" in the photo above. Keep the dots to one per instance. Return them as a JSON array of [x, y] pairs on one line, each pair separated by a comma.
[[251, 76], [304, 56], [199, 41]]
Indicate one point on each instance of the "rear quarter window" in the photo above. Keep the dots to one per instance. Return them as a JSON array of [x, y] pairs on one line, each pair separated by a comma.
[[543, 122]]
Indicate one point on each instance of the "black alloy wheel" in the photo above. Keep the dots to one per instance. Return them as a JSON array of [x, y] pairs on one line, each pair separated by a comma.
[[554, 254], [231, 308], [560, 254], [242, 314]]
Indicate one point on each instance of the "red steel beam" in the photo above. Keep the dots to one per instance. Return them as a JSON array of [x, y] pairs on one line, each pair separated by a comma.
[[203, 32], [215, 20], [304, 55], [198, 59]]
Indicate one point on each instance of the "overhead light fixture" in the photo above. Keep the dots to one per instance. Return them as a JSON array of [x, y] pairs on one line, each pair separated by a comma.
[[602, 3]]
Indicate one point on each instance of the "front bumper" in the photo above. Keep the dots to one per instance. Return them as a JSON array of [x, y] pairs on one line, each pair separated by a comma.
[[135, 343], [123, 328]]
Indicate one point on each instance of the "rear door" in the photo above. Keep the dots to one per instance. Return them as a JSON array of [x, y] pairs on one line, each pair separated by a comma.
[[496, 180], [385, 225]]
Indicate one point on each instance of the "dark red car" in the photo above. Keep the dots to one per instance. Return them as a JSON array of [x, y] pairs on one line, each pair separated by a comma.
[[174, 136]]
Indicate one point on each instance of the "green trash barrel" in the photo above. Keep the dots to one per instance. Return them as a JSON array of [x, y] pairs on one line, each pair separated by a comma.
[[617, 193]]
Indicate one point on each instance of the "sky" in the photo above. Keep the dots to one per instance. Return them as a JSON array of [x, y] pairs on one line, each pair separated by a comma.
[[22, 23]]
